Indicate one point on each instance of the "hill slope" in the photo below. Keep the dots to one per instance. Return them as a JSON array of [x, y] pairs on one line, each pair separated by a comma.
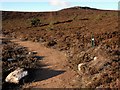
[[70, 30]]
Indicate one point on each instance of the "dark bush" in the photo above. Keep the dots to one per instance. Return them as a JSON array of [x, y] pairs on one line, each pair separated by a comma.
[[35, 22]]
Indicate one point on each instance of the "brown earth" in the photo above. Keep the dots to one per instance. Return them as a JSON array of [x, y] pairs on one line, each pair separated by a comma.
[[55, 60], [53, 73], [69, 31]]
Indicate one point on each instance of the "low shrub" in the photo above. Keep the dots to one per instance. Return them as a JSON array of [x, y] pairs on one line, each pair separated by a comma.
[[35, 22]]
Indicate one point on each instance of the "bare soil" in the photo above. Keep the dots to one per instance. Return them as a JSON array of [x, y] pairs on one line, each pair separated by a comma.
[[61, 76]]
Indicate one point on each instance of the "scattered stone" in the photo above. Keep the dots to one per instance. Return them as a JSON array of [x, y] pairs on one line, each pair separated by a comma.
[[41, 40], [51, 43], [80, 66], [23, 39], [95, 58], [14, 56], [32, 53], [10, 59]]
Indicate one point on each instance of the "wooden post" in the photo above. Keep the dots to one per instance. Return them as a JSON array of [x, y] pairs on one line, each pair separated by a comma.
[[92, 40]]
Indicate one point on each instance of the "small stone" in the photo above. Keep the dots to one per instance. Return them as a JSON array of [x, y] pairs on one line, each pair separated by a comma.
[[10, 59]]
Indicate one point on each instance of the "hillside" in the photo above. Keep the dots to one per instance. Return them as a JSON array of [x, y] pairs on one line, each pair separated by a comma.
[[70, 30]]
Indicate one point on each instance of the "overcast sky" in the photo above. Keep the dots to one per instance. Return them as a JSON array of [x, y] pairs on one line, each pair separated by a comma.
[[53, 5]]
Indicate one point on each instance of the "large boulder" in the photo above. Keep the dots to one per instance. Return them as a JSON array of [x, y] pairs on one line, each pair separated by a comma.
[[16, 75]]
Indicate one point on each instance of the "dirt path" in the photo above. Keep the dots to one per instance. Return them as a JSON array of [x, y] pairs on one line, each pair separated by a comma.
[[55, 61]]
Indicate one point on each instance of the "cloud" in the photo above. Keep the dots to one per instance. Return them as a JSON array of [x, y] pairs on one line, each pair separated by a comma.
[[58, 3]]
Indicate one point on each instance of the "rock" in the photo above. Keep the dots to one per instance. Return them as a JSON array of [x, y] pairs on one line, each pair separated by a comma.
[[33, 52], [23, 39], [95, 58], [51, 43], [80, 66], [41, 40], [10, 59], [16, 75]]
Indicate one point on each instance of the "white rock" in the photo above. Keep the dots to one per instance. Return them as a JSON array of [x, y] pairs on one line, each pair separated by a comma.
[[33, 52], [16, 75], [95, 58], [79, 66]]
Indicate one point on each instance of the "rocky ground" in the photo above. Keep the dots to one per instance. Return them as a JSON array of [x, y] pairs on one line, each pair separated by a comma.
[[70, 30], [102, 72], [14, 56]]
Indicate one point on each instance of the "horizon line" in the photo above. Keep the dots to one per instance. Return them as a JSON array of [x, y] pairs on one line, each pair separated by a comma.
[[60, 9]]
